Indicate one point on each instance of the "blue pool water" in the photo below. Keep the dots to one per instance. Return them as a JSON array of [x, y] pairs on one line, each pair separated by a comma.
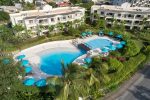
[[51, 63], [99, 43]]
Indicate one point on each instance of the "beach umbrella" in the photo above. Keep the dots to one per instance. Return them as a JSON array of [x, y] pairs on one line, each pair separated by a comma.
[[104, 50], [83, 34], [24, 62], [28, 69], [29, 81], [110, 33], [119, 36], [20, 57], [40, 83], [123, 42], [101, 33], [27, 65], [89, 33], [88, 60], [119, 46], [6, 61], [112, 47]]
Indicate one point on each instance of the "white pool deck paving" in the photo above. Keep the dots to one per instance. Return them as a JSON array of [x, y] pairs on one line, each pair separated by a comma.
[[33, 53]]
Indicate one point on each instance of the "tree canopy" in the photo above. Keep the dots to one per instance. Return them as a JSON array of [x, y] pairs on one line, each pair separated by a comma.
[[4, 16], [8, 2]]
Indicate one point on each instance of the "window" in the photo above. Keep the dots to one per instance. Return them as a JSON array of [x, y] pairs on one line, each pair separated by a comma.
[[64, 17], [119, 15], [30, 21], [58, 19], [52, 19], [20, 21], [95, 11], [102, 13], [40, 21], [138, 16]]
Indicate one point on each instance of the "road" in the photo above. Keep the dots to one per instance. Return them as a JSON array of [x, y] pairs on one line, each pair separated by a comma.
[[140, 90], [137, 88]]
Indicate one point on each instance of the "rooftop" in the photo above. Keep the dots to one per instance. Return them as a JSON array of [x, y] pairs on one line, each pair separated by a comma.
[[54, 11]]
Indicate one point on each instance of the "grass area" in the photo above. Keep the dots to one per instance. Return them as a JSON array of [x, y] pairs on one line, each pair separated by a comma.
[[42, 39]]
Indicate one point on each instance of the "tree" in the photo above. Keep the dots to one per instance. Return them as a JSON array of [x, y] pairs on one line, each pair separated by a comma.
[[51, 28], [4, 16], [60, 26], [8, 2], [28, 6], [76, 1], [18, 28], [132, 48], [53, 4], [115, 65], [144, 22]]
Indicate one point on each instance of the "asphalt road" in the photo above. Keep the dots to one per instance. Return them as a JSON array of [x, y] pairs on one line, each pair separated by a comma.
[[140, 89]]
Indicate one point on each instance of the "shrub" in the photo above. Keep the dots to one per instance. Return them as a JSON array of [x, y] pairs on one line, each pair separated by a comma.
[[132, 48], [4, 16], [115, 64]]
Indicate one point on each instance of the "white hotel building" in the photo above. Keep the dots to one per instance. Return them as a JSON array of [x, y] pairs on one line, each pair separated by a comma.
[[132, 16], [33, 18]]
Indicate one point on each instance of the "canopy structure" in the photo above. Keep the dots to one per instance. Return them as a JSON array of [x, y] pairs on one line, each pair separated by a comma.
[[28, 70], [20, 57], [119, 36], [119, 46], [88, 60], [83, 34], [40, 83], [123, 42], [111, 33], [112, 47], [24, 62], [27, 65], [89, 33], [29, 82], [104, 50], [6, 61], [101, 33]]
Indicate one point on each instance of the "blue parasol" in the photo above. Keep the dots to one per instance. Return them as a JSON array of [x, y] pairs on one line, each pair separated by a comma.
[[24, 62], [112, 47], [123, 42], [83, 34], [119, 46], [119, 36], [88, 60], [29, 81], [40, 83], [28, 69], [20, 57], [89, 33], [6, 61], [104, 50], [111, 33], [101, 33]]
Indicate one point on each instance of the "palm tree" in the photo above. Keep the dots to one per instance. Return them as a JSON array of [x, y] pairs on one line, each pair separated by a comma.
[[51, 28], [18, 28], [60, 26], [144, 22]]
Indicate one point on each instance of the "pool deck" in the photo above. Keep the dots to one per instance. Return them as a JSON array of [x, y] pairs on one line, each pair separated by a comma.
[[33, 53], [94, 52]]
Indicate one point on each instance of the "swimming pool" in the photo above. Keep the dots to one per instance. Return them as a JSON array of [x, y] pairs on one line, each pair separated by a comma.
[[99, 43], [51, 62]]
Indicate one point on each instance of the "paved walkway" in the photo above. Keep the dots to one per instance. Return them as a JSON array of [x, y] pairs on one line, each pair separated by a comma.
[[137, 88]]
